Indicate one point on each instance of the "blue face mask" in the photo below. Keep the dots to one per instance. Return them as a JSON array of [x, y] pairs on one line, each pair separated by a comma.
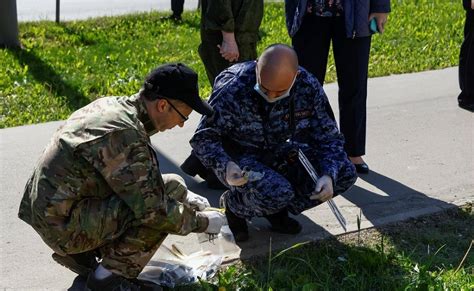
[[272, 100]]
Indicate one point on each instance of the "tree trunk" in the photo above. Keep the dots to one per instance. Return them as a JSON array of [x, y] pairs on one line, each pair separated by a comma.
[[8, 24]]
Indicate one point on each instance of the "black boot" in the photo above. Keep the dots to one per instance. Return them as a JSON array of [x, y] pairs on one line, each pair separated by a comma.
[[193, 166], [282, 223], [237, 225], [116, 282], [81, 264]]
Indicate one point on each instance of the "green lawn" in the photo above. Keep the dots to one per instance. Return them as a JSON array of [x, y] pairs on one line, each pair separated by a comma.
[[420, 254], [65, 66]]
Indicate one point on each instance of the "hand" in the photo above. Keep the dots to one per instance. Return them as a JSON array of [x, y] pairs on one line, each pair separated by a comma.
[[381, 19], [229, 49], [472, 4], [215, 220], [194, 200], [324, 190], [234, 175]]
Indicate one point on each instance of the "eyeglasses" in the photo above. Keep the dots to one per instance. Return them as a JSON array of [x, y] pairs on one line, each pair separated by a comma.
[[185, 118]]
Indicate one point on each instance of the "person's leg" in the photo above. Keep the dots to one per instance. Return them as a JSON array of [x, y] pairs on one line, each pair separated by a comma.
[[247, 51], [267, 197], [263, 197], [304, 185], [466, 64], [352, 60], [213, 62], [311, 44], [177, 7], [92, 223], [128, 254]]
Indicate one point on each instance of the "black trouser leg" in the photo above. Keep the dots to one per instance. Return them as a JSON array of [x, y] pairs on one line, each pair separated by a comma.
[[311, 44], [466, 61], [352, 62], [177, 7]]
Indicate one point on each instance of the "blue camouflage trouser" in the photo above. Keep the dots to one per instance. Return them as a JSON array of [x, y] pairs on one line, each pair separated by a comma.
[[277, 190]]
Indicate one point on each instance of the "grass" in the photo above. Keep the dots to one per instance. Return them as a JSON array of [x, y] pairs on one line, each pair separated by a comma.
[[64, 66], [419, 254]]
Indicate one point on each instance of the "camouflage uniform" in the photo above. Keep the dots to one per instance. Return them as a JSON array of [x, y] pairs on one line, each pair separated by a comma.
[[243, 17], [98, 186], [257, 134]]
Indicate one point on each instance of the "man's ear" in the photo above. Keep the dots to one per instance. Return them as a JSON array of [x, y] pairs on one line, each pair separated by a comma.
[[161, 105]]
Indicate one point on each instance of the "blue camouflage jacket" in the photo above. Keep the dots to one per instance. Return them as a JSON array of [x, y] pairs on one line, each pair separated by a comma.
[[356, 15], [255, 126]]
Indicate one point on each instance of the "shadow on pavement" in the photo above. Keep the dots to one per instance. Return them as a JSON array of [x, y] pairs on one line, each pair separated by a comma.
[[397, 199]]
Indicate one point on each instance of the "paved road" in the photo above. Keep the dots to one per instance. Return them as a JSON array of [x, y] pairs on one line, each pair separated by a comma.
[[420, 147], [82, 9]]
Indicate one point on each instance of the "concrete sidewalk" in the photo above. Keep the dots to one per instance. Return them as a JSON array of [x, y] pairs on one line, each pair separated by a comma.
[[420, 150]]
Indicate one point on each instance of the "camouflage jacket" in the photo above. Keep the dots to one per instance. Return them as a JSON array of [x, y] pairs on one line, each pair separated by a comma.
[[255, 126], [103, 149]]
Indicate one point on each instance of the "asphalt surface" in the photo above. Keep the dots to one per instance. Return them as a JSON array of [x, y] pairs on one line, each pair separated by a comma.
[[419, 146]]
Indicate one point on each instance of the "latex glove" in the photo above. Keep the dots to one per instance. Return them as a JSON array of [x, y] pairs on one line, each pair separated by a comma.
[[381, 19], [229, 49], [216, 220], [234, 175], [324, 190], [194, 200]]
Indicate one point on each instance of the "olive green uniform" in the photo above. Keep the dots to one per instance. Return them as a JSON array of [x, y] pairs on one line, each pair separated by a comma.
[[97, 186], [243, 17]]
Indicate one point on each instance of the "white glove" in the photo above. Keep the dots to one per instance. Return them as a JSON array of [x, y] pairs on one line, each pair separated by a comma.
[[234, 175], [216, 220], [194, 200], [324, 190]]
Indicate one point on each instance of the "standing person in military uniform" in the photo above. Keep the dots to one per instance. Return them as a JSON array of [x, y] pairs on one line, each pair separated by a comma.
[[264, 112], [229, 33], [97, 190]]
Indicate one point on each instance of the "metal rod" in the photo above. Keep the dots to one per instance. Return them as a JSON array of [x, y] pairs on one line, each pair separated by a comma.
[[314, 176]]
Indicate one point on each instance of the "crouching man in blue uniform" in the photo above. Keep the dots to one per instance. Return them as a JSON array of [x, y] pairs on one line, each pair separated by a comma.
[[265, 111]]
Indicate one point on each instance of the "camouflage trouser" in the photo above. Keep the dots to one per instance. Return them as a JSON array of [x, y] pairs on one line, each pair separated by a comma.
[[214, 63], [276, 190], [125, 244]]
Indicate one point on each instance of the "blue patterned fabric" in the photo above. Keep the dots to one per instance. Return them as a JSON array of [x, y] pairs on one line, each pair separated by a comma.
[[257, 134]]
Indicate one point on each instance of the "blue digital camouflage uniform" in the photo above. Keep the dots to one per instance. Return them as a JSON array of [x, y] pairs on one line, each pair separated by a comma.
[[98, 186], [256, 134]]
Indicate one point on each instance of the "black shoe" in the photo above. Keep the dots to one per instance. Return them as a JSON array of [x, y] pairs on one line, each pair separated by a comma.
[[81, 264], [362, 168], [193, 166], [469, 106], [213, 182], [237, 225], [116, 282], [172, 17], [282, 223]]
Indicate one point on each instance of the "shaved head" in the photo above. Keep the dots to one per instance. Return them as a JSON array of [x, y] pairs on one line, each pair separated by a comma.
[[277, 67]]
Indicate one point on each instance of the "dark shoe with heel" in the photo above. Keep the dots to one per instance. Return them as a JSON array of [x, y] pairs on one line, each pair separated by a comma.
[[282, 223]]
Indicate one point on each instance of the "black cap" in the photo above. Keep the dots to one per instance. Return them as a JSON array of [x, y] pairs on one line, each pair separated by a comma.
[[176, 81]]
